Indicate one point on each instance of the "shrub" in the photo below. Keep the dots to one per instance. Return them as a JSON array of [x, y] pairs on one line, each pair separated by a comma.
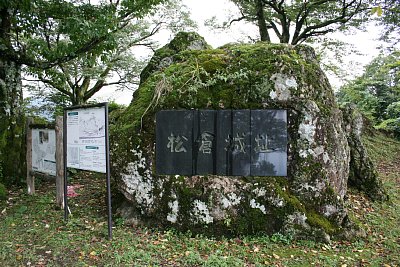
[[3, 192], [391, 126]]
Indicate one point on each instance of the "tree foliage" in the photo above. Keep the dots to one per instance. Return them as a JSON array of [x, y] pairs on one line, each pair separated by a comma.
[[295, 21], [377, 92], [116, 65], [388, 16], [43, 34]]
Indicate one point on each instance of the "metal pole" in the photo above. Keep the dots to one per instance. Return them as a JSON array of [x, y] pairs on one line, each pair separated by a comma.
[[30, 178], [65, 166], [108, 175]]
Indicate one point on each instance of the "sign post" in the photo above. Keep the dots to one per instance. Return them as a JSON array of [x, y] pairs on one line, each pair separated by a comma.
[[86, 146]]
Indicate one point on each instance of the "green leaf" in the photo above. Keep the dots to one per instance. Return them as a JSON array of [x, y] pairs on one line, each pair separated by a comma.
[[377, 10]]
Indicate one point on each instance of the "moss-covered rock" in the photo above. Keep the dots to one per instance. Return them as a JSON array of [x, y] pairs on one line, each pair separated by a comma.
[[164, 57], [363, 174], [309, 201]]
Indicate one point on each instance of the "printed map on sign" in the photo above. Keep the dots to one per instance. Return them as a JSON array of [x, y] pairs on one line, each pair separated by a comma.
[[91, 126], [44, 151], [86, 139]]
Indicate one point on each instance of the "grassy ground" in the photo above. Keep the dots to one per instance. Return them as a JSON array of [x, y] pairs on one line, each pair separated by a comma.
[[33, 232]]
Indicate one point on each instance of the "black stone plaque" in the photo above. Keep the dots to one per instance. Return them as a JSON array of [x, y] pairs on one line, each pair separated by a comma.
[[204, 145], [240, 142], [174, 140], [223, 143], [269, 143]]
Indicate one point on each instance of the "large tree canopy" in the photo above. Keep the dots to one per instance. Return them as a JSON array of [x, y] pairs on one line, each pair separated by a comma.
[[116, 65], [294, 21], [43, 34]]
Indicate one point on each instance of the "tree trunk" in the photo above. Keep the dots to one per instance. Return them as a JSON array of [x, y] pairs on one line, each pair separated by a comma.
[[12, 143], [262, 26]]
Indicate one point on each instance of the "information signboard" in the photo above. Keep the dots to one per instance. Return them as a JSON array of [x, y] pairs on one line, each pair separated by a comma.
[[44, 151], [86, 139], [86, 146]]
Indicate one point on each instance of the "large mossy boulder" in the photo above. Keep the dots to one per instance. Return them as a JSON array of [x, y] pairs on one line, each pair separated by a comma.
[[191, 75]]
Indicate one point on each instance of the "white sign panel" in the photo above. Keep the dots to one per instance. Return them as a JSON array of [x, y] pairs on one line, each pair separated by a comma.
[[86, 139], [44, 151]]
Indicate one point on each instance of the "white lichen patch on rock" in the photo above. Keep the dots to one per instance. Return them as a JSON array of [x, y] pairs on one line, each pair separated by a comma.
[[297, 218], [315, 189], [196, 45], [230, 200], [307, 131], [328, 210], [325, 158], [259, 192], [277, 201], [223, 184], [200, 213], [307, 128], [139, 185], [174, 206], [256, 205], [283, 87], [165, 62]]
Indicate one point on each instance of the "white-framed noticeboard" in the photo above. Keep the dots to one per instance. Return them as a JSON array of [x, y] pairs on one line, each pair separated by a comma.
[[86, 138], [44, 151]]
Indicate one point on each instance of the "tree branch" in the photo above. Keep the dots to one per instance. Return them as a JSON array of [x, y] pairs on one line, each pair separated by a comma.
[[343, 18], [237, 20], [68, 77], [56, 86]]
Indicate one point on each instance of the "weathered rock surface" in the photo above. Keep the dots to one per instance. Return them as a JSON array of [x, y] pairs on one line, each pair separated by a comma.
[[306, 203], [363, 174]]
